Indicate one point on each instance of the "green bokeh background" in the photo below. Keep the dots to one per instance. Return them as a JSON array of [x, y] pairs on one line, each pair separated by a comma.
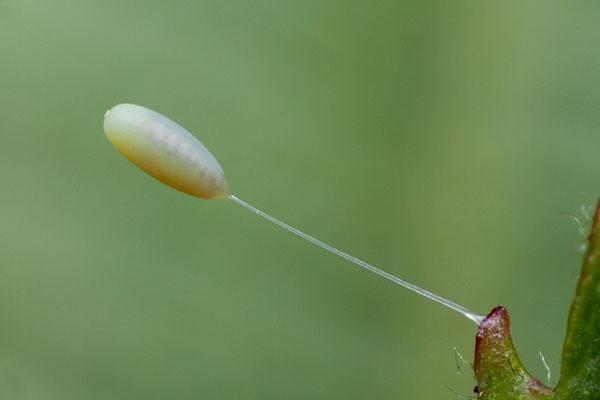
[[439, 140]]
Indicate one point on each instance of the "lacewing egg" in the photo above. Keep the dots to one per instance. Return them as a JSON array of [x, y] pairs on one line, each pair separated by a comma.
[[165, 150], [169, 153]]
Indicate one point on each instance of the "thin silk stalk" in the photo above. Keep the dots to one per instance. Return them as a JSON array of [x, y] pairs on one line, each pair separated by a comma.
[[476, 318]]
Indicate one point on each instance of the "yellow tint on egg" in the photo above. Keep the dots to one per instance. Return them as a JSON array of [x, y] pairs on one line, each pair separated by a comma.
[[165, 150]]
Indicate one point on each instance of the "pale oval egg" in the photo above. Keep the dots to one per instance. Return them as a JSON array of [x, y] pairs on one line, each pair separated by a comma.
[[165, 150]]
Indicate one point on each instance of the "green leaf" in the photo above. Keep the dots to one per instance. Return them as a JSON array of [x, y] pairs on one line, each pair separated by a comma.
[[499, 373], [580, 366]]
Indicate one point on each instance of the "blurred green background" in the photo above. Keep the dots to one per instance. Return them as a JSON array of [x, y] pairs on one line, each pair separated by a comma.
[[438, 140]]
